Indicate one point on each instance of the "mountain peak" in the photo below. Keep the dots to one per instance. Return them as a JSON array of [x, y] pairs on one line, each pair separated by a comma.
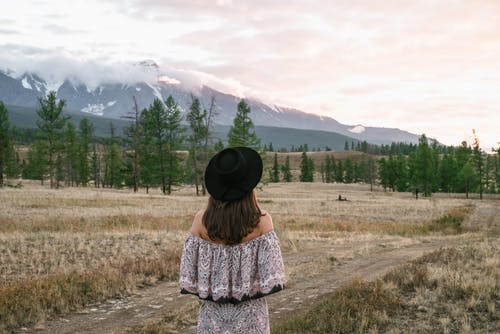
[[358, 129], [148, 63]]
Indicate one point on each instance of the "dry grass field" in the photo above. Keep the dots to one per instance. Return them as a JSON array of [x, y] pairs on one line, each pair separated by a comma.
[[63, 250]]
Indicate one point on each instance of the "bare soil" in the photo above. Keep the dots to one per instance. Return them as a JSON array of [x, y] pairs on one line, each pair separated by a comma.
[[340, 265]]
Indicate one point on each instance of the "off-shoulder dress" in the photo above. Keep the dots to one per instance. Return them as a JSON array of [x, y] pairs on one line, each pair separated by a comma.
[[231, 281]]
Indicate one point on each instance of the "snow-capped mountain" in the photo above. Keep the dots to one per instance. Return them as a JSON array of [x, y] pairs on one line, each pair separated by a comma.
[[114, 100]]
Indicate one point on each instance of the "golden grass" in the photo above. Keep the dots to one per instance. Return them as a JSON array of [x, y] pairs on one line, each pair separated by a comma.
[[449, 290], [26, 302], [62, 249]]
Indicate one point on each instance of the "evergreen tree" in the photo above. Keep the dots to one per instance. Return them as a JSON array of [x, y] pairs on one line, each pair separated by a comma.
[[51, 125], [383, 173], [85, 138], [349, 171], [275, 171], [306, 169], [478, 160], [286, 171], [489, 176], [174, 138], [448, 172], [69, 163], [7, 152], [113, 176], [401, 173], [133, 135], [359, 168], [392, 174], [152, 160], [329, 169], [208, 149], [196, 119], [423, 172], [36, 167], [242, 131], [467, 178], [339, 172], [96, 166], [371, 172], [497, 169], [13, 169], [219, 146]]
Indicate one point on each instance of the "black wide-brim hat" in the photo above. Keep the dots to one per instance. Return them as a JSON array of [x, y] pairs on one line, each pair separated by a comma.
[[232, 173]]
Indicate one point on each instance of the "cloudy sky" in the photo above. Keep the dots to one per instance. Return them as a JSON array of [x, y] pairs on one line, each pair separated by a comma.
[[423, 66]]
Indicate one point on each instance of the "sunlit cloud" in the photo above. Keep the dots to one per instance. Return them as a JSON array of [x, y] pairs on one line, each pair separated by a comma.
[[423, 66]]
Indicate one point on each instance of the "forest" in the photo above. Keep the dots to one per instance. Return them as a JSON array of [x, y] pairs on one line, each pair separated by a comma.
[[158, 151]]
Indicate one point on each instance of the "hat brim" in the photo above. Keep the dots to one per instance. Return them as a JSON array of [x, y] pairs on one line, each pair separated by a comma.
[[220, 191]]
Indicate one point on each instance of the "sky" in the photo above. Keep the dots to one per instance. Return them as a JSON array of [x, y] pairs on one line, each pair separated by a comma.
[[423, 66]]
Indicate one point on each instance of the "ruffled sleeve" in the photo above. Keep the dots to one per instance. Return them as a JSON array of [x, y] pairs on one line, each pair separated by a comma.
[[235, 273]]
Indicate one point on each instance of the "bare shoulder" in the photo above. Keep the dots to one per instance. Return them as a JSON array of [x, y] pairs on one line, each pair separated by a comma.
[[266, 223], [197, 227]]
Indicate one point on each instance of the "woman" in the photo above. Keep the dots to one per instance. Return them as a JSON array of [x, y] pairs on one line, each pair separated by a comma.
[[232, 258]]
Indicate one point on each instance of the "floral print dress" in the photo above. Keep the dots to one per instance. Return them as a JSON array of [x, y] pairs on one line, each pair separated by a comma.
[[231, 281]]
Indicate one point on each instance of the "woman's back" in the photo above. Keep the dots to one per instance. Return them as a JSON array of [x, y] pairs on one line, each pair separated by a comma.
[[232, 256], [198, 228]]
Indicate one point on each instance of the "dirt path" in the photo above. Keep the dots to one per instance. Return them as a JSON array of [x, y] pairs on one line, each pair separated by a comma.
[[153, 303], [338, 266]]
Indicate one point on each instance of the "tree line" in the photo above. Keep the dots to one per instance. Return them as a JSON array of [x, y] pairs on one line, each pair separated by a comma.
[[425, 169], [157, 149], [162, 149]]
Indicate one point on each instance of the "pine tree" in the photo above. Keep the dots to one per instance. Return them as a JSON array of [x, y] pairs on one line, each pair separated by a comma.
[[51, 125], [36, 168], [151, 159], [478, 160], [391, 173], [401, 173], [85, 138], [497, 169], [174, 138], [349, 171], [218, 146], [328, 169], [96, 166], [339, 172], [196, 119], [113, 176], [423, 171], [69, 163], [286, 171], [208, 149], [448, 172], [242, 131], [306, 169], [275, 171], [489, 169], [7, 152], [133, 135], [467, 178], [383, 173], [371, 172]]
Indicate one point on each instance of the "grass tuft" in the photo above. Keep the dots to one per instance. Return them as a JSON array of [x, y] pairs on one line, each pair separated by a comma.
[[449, 290], [354, 309], [27, 302]]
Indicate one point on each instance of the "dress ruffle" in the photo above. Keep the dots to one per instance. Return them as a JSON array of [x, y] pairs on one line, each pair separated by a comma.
[[232, 273]]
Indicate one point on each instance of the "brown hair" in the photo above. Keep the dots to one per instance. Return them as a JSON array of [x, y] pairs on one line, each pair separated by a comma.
[[230, 222]]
